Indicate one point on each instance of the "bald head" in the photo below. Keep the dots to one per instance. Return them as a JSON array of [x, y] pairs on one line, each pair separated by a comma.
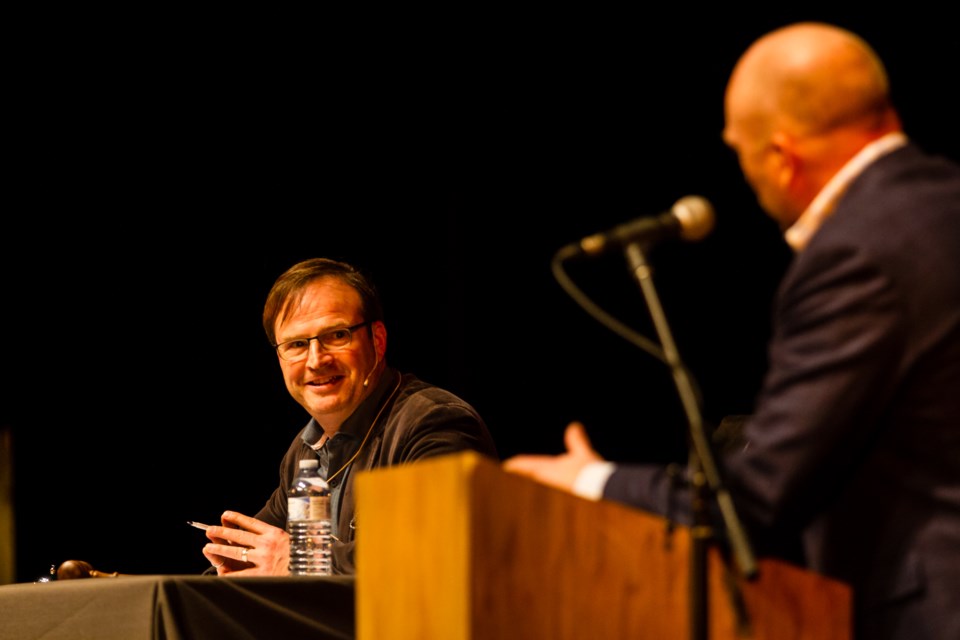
[[810, 78], [802, 101]]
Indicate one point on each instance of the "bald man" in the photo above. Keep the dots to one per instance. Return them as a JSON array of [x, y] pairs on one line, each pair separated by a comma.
[[854, 443]]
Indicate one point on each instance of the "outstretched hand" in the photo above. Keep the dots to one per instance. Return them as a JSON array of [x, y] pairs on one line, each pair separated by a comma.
[[560, 470], [245, 546]]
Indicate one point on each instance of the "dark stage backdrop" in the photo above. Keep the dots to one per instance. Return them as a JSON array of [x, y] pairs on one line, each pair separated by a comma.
[[161, 187]]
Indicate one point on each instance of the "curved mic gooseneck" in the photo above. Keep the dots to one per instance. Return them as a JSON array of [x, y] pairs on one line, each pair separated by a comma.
[[691, 218]]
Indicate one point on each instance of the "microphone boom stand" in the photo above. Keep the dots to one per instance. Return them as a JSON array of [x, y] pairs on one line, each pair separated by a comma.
[[702, 464]]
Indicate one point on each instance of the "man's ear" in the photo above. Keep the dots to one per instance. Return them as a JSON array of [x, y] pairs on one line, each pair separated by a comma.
[[783, 147], [380, 338]]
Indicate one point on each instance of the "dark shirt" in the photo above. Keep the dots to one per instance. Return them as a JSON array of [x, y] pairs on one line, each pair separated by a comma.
[[404, 420]]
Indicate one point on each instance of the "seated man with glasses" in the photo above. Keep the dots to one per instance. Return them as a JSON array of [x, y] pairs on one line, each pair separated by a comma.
[[325, 320]]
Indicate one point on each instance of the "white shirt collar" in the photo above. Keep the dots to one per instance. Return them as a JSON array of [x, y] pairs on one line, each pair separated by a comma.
[[799, 234]]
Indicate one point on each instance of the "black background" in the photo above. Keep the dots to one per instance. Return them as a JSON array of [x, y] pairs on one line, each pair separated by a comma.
[[161, 182]]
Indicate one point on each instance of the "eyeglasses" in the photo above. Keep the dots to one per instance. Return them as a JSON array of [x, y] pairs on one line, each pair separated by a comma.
[[333, 340]]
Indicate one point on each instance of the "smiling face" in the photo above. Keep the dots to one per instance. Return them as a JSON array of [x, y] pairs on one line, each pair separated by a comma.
[[330, 384]]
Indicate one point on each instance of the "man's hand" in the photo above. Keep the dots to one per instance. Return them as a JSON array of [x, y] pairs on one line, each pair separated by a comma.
[[561, 470], [245, 546]]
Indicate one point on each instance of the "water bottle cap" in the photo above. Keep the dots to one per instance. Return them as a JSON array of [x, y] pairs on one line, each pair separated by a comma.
[[309, 463]]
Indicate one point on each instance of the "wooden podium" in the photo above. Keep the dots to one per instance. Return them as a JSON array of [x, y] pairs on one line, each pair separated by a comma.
[[455, 548]]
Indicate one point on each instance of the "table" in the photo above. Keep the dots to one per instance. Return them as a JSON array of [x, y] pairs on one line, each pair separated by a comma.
[[174, 607]]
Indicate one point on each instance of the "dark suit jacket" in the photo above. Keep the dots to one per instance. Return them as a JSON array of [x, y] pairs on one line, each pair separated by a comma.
[[854, 444], [417, 420]]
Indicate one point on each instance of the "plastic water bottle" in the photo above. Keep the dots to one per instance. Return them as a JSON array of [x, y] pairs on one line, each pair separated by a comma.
[[309, 523]]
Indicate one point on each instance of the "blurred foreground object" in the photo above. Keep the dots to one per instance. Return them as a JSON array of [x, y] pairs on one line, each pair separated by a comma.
[[72, 569]]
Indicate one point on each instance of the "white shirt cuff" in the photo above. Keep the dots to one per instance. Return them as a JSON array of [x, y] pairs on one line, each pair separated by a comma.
[[591, 480]]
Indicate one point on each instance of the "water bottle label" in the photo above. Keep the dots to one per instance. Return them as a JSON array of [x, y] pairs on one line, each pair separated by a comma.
[[298, 508], [319, 507]]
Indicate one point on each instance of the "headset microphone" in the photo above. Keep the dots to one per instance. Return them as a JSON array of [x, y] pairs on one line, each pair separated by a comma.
[[366, 381]]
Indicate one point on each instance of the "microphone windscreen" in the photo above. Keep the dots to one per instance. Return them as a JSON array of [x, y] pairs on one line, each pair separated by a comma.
[[696, 217]]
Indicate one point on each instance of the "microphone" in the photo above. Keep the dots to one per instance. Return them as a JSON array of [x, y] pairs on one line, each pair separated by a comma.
[[690, 218], [366, 381]]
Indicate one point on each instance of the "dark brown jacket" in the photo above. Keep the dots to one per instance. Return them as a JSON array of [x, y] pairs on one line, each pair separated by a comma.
[[418, 421]]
